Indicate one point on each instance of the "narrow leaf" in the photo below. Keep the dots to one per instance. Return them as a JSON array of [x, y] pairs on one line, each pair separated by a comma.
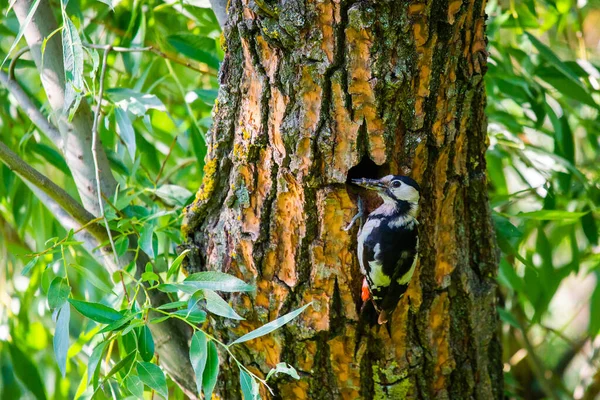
[[271, 326], [125, 130], [153, 377], [61, 336], [215, 280], [249, 386], [198, 356], [211, 371], [24, 25], [283, 368], [58, 292], [216, 305], [94, 359], [26, 371], [73, 64], [176, 263], [96, 311], [552, 215], [146, 343]]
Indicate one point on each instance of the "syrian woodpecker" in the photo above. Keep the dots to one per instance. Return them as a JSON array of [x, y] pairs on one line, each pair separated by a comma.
[[388, 241]]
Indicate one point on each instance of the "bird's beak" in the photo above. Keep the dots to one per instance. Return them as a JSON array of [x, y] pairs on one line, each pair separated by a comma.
[[371, 184]]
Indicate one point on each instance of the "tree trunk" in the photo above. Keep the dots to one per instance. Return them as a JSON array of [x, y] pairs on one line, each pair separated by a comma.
[[314, 92]]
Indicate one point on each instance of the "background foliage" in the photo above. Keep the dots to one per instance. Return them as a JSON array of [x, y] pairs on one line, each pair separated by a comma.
[[543, 85]]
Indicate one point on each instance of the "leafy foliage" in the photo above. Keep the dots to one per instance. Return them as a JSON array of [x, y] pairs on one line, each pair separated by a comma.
[[155, 111], [543, 108]]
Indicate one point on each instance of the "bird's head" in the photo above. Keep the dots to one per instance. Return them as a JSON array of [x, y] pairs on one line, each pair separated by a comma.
[[392, 188]]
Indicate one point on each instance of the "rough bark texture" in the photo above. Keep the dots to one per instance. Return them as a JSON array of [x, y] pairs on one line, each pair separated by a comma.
[[316, 91]]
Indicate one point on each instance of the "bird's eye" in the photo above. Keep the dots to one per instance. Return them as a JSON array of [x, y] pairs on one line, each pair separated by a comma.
[[396, 184]]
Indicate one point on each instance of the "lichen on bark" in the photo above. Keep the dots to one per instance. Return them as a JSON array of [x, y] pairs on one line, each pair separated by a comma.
[[313, 92]]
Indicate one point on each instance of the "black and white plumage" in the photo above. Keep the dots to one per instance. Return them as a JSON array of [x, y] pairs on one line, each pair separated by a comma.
[[388, 242]]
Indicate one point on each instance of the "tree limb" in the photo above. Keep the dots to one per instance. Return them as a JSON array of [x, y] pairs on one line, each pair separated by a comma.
[[30, 109]]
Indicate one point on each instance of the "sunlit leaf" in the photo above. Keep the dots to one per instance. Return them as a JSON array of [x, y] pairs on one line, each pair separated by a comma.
[[125, 129], [271, 326], [62, 317], [58, 292], [96, 311], [202, 49], [153, 377], [216, 305], [211, 370], [73, 64], [249, 386], [198, 356], [283, 368], [215, 280]]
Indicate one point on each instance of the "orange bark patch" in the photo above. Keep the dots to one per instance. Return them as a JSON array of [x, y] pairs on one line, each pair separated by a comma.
[[288, 229], [295, 390], [446, 257], [439, 322], [344, 368], [326, 21], [416, 9], [420, 33], [361, 88], [270, 295], [420, 160], [346, 131], [277, 105], [453, 8], [332, 255], [268, 58], [258, 191], [460, 154], [249, 123]]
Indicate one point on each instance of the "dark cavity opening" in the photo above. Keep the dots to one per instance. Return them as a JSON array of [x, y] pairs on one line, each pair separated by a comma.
[[367, 168]]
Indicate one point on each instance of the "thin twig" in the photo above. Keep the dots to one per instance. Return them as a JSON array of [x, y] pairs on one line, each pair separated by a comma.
[[95, 141], [117, 48], [13, 62], [162, 167], [151, 49]]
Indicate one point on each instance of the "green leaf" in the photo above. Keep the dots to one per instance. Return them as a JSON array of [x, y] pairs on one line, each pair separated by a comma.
[[198, 356], [504, 228], [283, 368], [207, 96], [62, 317], [22, 28], [50, 155], [153, 377], [174, 195], [216, 305], [202, 49], [29, 266], [26, 371], [211, 370], [174, 268], [96, 311], [507, 317], [553, 59], [126, 132], [271, 326], [215, 280], [589, 226], [73, 64], [195, 316], [552, 215], [594, 327], [249, 386], [146, 343], [172, 305], [92, 278], [135, 386], [118, 324], [126, 363], [58, 292], [175, 287], [95, 359], [150, 276], [135, 102]]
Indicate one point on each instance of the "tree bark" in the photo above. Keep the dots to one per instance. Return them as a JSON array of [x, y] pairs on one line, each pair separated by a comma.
[[312, 93]]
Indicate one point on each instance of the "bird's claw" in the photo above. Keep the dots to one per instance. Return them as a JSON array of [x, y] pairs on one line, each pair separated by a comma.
[[360, 214]]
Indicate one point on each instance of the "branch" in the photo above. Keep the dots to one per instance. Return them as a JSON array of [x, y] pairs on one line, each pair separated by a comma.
[[30, 109], [49, 188]]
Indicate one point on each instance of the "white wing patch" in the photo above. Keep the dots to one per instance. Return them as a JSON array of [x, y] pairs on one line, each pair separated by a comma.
[[404, 279], [377, 276], [362, 236]]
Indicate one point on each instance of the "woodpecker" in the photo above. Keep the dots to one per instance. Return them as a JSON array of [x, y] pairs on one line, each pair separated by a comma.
[[388, 242]]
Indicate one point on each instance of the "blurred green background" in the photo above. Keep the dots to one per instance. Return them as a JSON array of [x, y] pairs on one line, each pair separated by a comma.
[[543, 86]]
